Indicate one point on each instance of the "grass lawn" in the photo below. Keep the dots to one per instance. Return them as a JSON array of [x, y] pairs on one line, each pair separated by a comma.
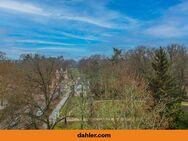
[[68, 106], [77, 125], [102, 109], [70, 125], [107, 108]]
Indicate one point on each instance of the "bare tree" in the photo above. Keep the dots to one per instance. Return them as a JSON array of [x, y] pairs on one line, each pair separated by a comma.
[[43, 79]]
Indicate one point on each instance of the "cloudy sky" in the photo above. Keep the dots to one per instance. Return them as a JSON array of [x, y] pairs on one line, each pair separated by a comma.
[[78, 28]]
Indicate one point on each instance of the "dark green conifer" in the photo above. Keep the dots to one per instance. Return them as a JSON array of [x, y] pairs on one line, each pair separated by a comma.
[[162, 83], [165, 89]]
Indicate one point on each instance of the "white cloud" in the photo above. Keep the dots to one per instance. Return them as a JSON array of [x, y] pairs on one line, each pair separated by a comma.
[[42, 42], [22, 7], [89, 20], [99, 15], [173, 24], [60, 49], [167, 31], [88, 37]]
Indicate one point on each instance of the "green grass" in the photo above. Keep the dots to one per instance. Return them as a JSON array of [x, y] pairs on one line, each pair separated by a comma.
[[102, 108], [73, 126], [68, 106], [104, 113], [77, 125], [69, 125], [107, 108]]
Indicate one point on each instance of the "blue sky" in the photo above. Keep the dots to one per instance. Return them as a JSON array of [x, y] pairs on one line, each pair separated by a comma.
[[79, 28]]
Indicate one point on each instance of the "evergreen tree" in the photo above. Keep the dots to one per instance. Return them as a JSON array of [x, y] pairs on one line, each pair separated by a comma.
[[165, 89], [162, 83]]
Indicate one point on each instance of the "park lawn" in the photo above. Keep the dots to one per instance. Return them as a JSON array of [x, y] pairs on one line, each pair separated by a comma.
[[102, 108], [104, 112], [107, 108], [68, 106], [73, 125], [70, 125], [76, 125]]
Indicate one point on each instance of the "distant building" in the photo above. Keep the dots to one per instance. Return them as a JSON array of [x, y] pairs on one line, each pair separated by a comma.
[[64, 86]]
